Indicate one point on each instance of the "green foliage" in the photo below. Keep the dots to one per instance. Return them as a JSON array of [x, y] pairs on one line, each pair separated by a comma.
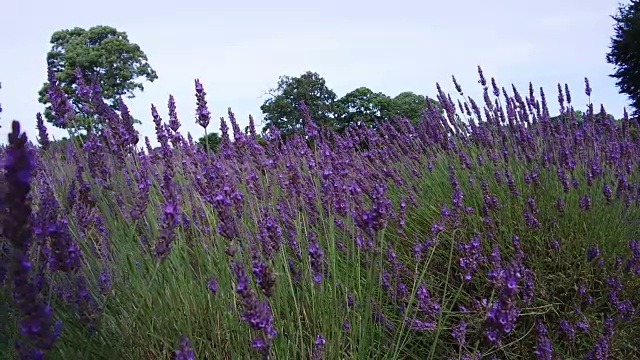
[[259, 139], [361, 107], [282, 109], [410, 105], [102, 52], [211, 141], [364, 107], [579, 116], [60, 145], [624, 51]]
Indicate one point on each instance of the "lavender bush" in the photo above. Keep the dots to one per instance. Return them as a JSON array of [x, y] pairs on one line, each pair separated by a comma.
[[489, 231]]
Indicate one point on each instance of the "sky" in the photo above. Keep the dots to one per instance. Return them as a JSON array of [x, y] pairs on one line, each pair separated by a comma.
[[239, 49]]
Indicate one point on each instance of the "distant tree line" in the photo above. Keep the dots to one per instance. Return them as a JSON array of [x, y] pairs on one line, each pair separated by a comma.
[[361, 106]]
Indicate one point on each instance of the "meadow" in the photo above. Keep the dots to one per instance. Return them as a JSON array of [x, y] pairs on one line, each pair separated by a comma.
[[486, 230]]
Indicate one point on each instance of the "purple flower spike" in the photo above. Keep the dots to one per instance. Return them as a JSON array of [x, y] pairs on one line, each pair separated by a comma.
[[185, 352], [203, 116]]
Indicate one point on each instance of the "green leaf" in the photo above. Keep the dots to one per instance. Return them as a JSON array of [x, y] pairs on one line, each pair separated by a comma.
[[100, 51]]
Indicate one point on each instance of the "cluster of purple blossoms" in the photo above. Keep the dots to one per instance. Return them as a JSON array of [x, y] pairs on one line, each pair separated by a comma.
[[226, 200], [376, 218], [503, 312], [38, 327], [265, 278], [633, 263], [544, 349], [459, 333], [585, 202], [169, 220], [256, 313], [471, 256], [318, 347], [428, 310], [624, 308], [316, 258], [530, 214], [269, 235], [602, 348], [185, 352], [203, 116]]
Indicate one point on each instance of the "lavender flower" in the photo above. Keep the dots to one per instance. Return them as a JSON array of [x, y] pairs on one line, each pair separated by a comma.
[[264, 276], [203, 116], [185, 352], [43, 136], [169, 222], [256, 313], [212, 285], [459, 333], [543, 350], [37, 323], [318, 347], [593, 252], [568, 330], [585, 202], [471, 256], [316, 258], [502, 314]]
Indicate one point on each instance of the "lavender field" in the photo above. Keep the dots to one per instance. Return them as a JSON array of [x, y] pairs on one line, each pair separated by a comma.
[[489, 230]]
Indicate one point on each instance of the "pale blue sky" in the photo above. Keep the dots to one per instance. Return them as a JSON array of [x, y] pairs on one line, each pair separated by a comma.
[[238, 51]]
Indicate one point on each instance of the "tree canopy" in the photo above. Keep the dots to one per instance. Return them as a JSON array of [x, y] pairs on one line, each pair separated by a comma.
[[102, 53], [361, 106], [283, 111], [410, 105], [624, 52], [211, 141]]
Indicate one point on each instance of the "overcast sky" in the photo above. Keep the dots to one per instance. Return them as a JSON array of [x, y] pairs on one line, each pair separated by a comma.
[[239, 51]]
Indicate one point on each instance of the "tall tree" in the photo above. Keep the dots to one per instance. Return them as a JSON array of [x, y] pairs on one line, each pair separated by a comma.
[[579, 117], [102, 53], [410, 105], [624, 52], [361, 107], [211, 141], [282, 110]]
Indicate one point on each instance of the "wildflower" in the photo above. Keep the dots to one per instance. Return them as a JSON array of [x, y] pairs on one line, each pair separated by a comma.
[[203, 116], [560, 205], [43, 136], [212, 285], [318, 347], [61, 107], [37, 322], [633, 263], [568, 330], [543, 350], [602, 349], [593, 252], [503, 312], [264, 276], [185, 352], [459, 333], [471, 256], [316, 258], [256, 313], [346, 325], [585, 202]]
